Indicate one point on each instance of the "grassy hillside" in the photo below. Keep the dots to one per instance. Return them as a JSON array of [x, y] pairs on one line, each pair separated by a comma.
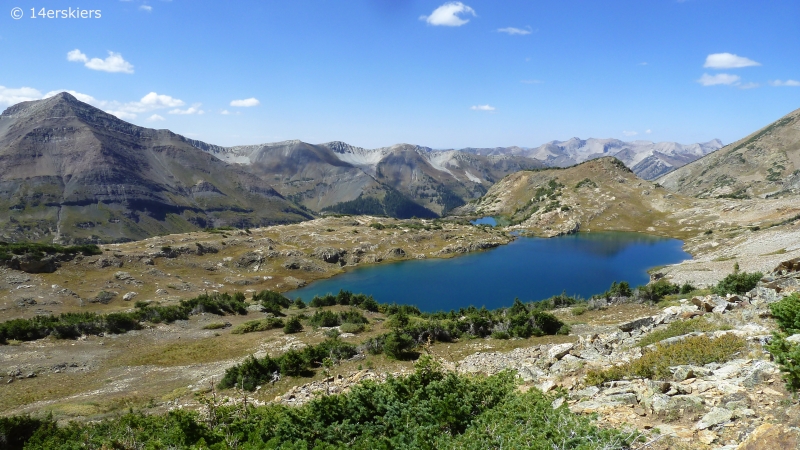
[[765, 163]]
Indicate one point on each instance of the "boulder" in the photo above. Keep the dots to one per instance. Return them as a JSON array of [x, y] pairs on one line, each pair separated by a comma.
[[772, 436], [396, 252], [636, 324], [560, 350], [328, 254], [714, 417], [31, 264], [107, 262], [794, 339], [129, 296], [249, 259]]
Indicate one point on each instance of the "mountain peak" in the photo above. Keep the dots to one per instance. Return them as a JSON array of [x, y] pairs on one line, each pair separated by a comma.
[[59, 105]]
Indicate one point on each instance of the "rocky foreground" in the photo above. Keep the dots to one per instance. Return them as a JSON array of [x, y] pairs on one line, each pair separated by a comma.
[[737, 404]]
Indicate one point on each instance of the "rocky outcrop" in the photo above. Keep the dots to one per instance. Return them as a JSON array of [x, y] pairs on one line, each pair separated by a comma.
[[329, 254]]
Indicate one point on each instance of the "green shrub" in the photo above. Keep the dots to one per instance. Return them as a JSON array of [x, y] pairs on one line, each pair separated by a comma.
[[15, 431], [119, 323], [215, 326], [252, 326], [429, 409], [578, 310], [621, 289], [501, 335], [353, 317], [398, 345], [679, 328], [695, 350], [352, 328], [250, 373], [787, 314], [292, 363], [738, 283], [293, 325], [299, 303], [787, 355], [325, 319]]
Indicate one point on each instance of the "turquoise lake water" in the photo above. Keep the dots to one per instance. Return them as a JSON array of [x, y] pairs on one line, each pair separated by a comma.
[[529, 268]]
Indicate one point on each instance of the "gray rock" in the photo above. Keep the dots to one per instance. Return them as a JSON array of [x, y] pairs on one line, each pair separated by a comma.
[[328, 254], [123, 276], [636, 324], [794, 339], [249, 259], [129, 296], [683, 372], [560, 350], [396, 252], [104, 297], [107, 262], [714, 417]]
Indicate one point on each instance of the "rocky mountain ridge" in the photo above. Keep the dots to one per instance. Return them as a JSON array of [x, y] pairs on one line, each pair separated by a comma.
[[765, 163], [70, 172], [646, 159]]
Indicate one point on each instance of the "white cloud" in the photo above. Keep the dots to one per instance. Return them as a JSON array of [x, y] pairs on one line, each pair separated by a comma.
[[791, 83], [449, 15], [531, 81], [225, 112], [160, 101], [629, 133], [512, 31], [245, 103], [194, 109], [720, 78], [9, 96], [114, 63], [750, 85], [77, 56], [642, 63], [728, 61], [155, 118], [648, 131], [147, 8], [482, 108]]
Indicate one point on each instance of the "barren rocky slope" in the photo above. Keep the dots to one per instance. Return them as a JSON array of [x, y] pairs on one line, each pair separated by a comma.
[[764, 163], [71, 173]]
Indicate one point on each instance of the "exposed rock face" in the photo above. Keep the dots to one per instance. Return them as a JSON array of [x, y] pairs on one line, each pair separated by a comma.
[[328, 254], [72, 173]]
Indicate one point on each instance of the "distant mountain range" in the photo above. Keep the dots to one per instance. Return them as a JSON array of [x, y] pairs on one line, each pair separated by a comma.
[[72, 173], [339, 177], [648, 160]]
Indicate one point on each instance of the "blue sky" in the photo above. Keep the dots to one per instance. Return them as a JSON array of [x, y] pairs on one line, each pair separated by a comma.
[[441, 74]]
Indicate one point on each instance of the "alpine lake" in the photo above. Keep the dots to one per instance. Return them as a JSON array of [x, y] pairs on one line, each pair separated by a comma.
[[528, 268]]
